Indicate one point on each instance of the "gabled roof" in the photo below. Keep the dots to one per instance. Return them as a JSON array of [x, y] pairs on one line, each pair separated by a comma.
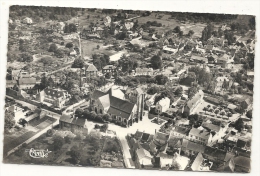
[[91, 67], [174, 142], [194, 99], [97, 93], [204, 134], [189, 145], [11, 81], [142, 153], [161, 136], [197, 162], [211, 126], [105, 101], [242, 161], [182, 130], [241, 143], [66, 118], [27, 81], [216, 153], [109, 67]]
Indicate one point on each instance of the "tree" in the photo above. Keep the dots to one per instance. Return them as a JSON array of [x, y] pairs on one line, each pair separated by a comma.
[[108, 75], [9, 120], [205, 109], [79, 112], [192, 91], [75, 154], [249, 114], [156, 62], [216, 111], [207, 32], [177, 29], [78, 63], [53, 47], [178, 91], [26, 57], [161, 79], [69, 45], [222, 113], [58, 143], [230, 114], [239, 125], [190, 33], [98, 46]]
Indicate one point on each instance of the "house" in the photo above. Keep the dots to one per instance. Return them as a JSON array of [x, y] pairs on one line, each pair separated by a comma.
[[161, 138], [90, 70], [11, 83], [199, 59], [162, 105], [16, 112], [15, 74], [109, 69], [116, 56], [174, 145], [199, 164], [27, 20], [242, 164], [162, 160], [137, 96], [200, 136], [228, 166], [168, 50], [143, 158], [122, 111], [193, 102], [55, 97], [213, 128], [191, 148], [215, 155], [143, 71], [150, 100], [209, 48], [181, 132], [212, 59], [26, 83], [181, 161], [74, 124]]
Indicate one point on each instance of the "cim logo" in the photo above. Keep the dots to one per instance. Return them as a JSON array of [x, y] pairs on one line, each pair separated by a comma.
[[38, 153]]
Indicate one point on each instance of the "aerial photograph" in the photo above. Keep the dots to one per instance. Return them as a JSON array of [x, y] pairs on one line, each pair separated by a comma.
[[130, 89]]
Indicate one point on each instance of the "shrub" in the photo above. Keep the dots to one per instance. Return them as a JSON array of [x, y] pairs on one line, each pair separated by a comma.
[[49, 133]]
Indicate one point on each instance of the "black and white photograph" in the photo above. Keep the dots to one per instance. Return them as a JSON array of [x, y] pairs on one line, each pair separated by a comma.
[[129, 89]]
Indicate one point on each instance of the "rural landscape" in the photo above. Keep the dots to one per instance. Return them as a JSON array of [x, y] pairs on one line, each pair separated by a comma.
[[129, 89]]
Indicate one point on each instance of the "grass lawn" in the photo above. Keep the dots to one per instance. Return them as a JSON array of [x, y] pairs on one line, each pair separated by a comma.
[[89, 47]]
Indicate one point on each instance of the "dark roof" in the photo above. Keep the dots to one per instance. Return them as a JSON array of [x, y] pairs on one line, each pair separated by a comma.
[[27, 81], [66, 118], [200, 133], [174, 142], [189, 145], [242, 161], [11, 81], [97, 93], [121, 105], [145, 136], [241, 143], [211, 126], [216, 153], [138, 135], [182, 130]]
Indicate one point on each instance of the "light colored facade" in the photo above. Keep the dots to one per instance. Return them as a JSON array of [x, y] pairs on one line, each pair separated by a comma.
[[200, 136], [162, 105]]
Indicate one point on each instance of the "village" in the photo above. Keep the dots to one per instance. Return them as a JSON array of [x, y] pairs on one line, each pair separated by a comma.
[[130, 89]]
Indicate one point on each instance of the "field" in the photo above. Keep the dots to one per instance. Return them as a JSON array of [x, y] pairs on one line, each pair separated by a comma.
[[89, 47]]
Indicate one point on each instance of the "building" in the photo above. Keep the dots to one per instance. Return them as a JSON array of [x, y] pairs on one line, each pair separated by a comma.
[[123, 112], [162, 105], [11, 83], [55, 97], [15, 74], [193, 102], [199, 59], [215, 155], [181, 132], [242, 164], [200, 136], [26, 83], [90, 70], [170, 50], [109, 69], [162, 160], [27, 20], [143, 158], [213, 128], [191, 148], [143, 71], [137, 96], [74, 124], [16, 112]]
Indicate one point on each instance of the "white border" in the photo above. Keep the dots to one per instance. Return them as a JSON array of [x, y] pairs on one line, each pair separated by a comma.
[[249, 7]]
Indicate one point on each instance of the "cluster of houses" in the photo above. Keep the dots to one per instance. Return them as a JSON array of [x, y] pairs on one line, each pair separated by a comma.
[[190, 149]]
